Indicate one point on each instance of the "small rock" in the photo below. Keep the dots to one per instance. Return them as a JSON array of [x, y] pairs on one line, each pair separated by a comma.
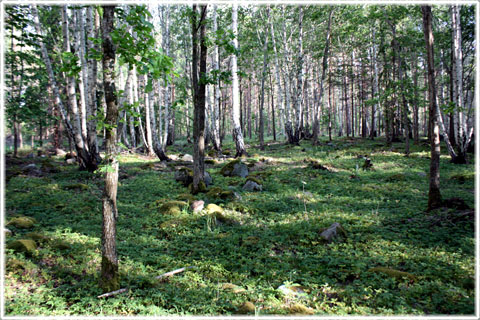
[[8, 233], [197, 206], [299, 308], [252, 186], [240, 170], [233, 288], [422, 174], [187, 158], [71, 161], [332, 232], [60, 152], [172, 208], [184, 175], [292, 291], [29, 167]]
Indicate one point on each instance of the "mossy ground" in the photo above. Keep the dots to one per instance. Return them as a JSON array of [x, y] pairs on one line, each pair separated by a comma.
[[382, 210]]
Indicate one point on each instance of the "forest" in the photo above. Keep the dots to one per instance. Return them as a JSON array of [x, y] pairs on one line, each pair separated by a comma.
[[213, 159]]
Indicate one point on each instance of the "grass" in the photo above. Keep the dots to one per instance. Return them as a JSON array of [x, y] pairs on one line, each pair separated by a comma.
[[271, 238]]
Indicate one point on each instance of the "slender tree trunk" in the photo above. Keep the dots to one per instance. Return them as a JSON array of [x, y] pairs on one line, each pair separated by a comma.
[[262, 93], [237, 130], [79, 45], [109, 280], [434, 196], [216, 97], [300, 78], [316, 124], [416, 139]]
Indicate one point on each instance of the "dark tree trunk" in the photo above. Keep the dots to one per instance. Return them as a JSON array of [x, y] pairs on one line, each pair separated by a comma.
[[109, 280], [434, 196]]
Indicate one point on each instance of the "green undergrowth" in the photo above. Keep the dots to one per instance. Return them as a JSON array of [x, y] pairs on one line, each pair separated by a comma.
[[262, 240]]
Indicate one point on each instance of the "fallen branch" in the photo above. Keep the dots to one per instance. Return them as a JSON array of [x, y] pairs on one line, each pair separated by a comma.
[[171, 273], [113, 293], [164, 275]]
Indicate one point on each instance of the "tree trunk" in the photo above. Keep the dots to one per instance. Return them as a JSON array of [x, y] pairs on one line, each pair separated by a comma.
[[109, 280], [316, 124], [300, 75], [262, 93], [199, 87], [434, 196], [216, 98], [237, 130]]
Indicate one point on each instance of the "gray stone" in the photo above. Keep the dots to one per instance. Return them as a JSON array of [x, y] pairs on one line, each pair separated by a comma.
[[240, 170], [208, 179], [252, 186], [187, 158], [71, 161], [197, 205], [332, 232]]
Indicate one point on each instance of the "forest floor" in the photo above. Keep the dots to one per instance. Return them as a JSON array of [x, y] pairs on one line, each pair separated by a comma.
[[265, 240]]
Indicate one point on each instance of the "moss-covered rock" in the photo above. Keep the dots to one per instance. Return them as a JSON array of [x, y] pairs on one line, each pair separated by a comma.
[[393, 273], [299, 308], [230, 287], [22, 222], [147, 166], [210, 161], [27, 246], [37, 237], [214, 210], [257, 180], [234, 168], [172, 223], [76, 186], [246, 308], [217, 193], [172, 208]]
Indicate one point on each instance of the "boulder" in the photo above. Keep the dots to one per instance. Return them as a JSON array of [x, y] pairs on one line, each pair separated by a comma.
[[292, 291], [197, 205], [8, 233], [61, 245], [187, 158], [22, 222], [332, 231], [70, 155], [37, 237], [31, 169], [24, 245], [235, 168], [252, 186]]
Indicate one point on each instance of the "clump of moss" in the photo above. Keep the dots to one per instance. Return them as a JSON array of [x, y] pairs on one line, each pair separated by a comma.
[[393, 273], [232, 288], [27, 246], [37, 237], [238, 207], [76, 186], [260, 174], [214, 210], [172, 223], [187, 197], [228, 168], [246, 307], [22, 222], [172, 208], [219, 194]]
